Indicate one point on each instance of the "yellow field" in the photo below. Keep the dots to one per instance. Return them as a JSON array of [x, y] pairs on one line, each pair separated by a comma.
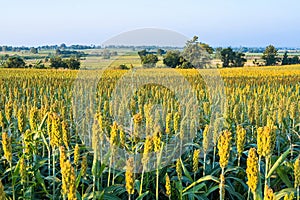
[[150, 133]]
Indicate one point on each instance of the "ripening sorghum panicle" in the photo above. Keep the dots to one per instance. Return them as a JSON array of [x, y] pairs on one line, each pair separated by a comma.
[[22, 171], [168, 123], [216, 130], [8, 110], [293, 110], [137, 120], [183, 129], [2, 120], [260, 143], [122, 136], [206, 139], [55, 135], [33, 116], [84, 166], [237, 113], [62, 156], [114, 140], [267, 140], [68, 180], [7, 146], [76, 154], [21, 119], [129, 176], [168, 186], [252, 170], [224, 144], [27, 140], [240, 139], [157, 139], [178, 169], [176, 120], [297, 172], [264, 116], [148, 146], [269, 194], [196, 160], [2, 193], [206, 108], [65, 133], [289, 196], [250, 111]]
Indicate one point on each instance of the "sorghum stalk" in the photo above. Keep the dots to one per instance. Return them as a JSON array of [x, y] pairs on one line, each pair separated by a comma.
[[297, 175], [240, 141]]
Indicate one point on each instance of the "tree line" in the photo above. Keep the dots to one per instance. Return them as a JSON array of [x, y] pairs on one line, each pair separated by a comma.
[[198, 55], [55, 63]]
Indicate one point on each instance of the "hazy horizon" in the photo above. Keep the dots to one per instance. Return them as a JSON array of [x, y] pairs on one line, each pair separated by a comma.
[[218, 23]]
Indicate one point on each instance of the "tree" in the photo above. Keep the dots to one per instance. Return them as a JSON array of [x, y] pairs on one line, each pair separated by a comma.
[[160, 52], [57, 62], [33, 50], [73, 63], [196, 54], [207, 48], [172, 59], [285, 59], [231, 58], [14, 62], [270, 56], [149, 60]]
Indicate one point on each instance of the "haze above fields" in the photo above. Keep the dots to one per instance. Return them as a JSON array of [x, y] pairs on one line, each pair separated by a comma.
[[217, 22]]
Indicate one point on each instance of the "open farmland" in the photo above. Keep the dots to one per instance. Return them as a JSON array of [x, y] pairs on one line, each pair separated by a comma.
[[70, 134]]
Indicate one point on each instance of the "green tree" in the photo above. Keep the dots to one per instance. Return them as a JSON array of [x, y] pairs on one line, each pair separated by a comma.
[[57, 62], [14, 62], [285, 59], [270, 56], [33, 50], [231, 58], [73, 63], [160, 52], [196, 53], [149, 60], [172, 59]]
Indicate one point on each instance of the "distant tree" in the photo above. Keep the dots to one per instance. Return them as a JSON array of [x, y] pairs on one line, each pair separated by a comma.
[[33, 50], [149, 60], [160, 52], [72, 63], [270, 55], [227, 56], [208, 48], [57, 62], [218, 53], [172, 59], [231, 58], [142, 53], [294, 60], [106, 54], [196, 54], [285, 59], [239, 59], [63, 46], [14, 62]]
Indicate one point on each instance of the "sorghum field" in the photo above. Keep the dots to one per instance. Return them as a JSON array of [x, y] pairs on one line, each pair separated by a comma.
[[65, 137]]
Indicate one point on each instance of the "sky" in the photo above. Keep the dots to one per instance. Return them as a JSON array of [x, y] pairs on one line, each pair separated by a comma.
[[216, 22]]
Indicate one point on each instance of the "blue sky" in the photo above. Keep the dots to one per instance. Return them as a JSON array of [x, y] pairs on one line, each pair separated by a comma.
[[216, 22]]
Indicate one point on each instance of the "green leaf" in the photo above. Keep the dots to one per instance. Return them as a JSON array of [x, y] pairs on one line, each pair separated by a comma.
[[284, 177], [142, 195], [278, 162], [40, 180], [186, 172], [205, 178]]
